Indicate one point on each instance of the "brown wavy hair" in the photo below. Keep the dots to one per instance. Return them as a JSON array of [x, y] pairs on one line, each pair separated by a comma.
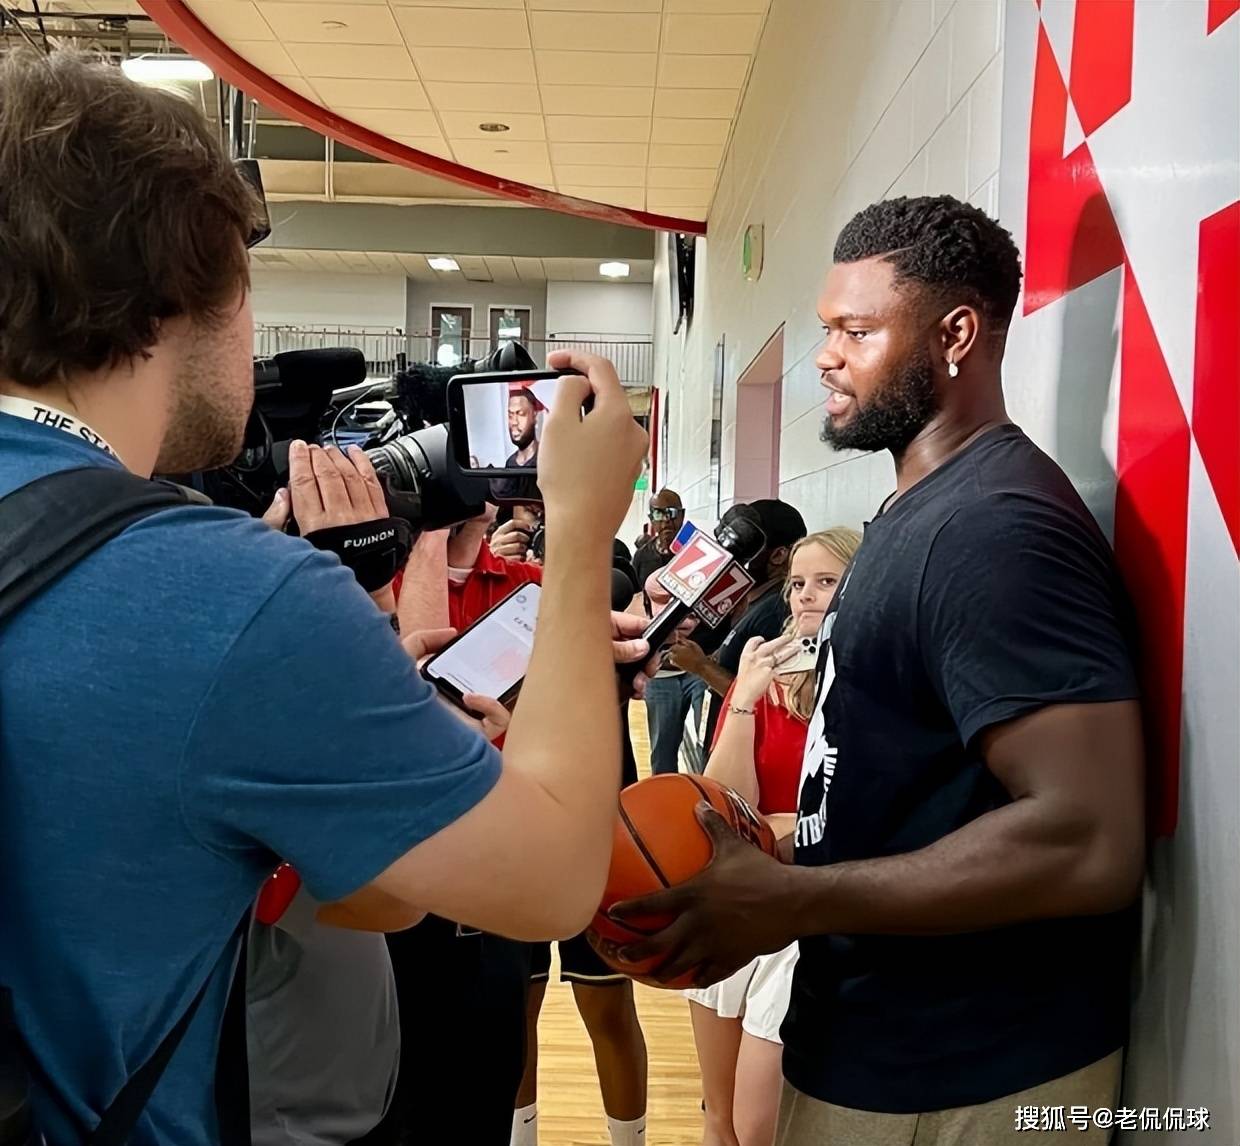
[[118, 210]]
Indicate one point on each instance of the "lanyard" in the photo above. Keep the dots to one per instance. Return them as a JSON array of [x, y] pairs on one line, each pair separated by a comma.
[[56, 419]]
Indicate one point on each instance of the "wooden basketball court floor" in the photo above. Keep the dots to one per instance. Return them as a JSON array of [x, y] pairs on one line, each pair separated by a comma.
[[570, 1111]]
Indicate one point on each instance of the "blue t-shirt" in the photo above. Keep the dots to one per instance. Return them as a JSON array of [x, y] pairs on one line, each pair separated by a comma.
[[196, 700]]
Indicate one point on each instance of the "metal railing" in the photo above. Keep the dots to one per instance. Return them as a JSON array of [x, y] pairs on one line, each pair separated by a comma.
[[387, 350]]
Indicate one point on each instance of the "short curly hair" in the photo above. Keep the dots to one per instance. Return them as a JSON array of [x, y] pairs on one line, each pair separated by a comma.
[[952, 249], [118, 210]]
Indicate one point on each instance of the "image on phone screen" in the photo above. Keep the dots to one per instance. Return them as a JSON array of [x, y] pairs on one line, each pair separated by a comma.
[[492, 656], [504, 420]]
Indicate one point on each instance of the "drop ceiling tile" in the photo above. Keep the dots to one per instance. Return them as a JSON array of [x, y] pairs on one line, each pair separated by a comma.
[[474, 268], [487, 155], [702, 71], [558, 270], [632, 197], [599, 175], [716, 7], [674, 200], [623, 69], [431, 144], [234, 20], [502, 269], [457, 3], [613, 154], [388, 121], [707, 35], [328, 261], [530, 270], [595, 5], [464, 125], [695, 103], [298, 85], [532, 175], [700, 155], [499, 65], [266, 56], [406, 95], [696, 178], [299, 23], [598, 128], [482, 97], [461, 28], [338, 61], [692, 131], [595, 31], [574, 99]]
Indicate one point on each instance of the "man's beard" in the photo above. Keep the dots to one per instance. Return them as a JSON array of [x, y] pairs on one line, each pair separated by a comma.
[[897, 412], [520, 440], [206, 427]]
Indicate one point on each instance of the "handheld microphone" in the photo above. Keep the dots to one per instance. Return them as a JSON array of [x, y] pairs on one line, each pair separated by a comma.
[[623, 584], [707, 577]]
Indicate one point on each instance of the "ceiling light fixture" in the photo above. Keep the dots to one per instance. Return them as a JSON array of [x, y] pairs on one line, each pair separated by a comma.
[[166, 69], [443, 263], [493, 127], [614, 270]]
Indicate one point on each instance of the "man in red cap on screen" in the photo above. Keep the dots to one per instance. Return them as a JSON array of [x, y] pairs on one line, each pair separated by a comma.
[[523, 409]]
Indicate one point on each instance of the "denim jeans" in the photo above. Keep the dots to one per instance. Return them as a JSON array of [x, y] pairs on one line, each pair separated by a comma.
[[669, 700]]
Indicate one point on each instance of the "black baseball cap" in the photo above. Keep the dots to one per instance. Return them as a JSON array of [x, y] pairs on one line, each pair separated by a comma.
[[781, 522]]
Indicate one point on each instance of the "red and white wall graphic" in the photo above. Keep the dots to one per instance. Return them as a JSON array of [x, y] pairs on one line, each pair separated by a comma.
[[1120, 180]]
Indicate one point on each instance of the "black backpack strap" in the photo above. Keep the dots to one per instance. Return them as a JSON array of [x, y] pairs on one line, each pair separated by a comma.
[[48, 526]]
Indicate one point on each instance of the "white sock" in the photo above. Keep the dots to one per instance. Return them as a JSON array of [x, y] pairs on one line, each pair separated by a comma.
[[525, 1126], [627, 1133]]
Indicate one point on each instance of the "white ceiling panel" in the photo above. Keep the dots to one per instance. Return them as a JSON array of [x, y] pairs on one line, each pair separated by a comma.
[[598, 128], [702, 71], [707, 35], [498, 65], [397, 95], [595, 31], [628, 102], [559, 99], [626, 69], [696, 103], [607, 154], [559, 270], [462, 28], [520, 98], [530, 270], [234, 20], [686, 155], [502, 269], [297, 23]]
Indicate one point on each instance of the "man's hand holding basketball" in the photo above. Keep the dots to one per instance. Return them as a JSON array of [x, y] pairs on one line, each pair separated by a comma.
[[740, 906]]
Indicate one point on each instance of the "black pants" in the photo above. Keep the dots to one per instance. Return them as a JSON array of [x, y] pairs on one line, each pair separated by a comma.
[[462, 1023]]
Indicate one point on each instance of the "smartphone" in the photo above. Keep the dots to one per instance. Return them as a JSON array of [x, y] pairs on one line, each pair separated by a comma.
[[495, 420], [492, 655], [805, 659]]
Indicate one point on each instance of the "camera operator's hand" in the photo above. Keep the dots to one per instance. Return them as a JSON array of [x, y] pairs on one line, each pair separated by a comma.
[[587, 465], [330, 488], [510, 541]]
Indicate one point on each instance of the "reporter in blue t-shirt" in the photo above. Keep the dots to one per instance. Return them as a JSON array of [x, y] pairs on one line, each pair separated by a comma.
[[203, 696]]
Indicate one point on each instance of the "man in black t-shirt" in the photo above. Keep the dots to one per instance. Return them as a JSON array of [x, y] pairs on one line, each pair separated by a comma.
[[970, 840]]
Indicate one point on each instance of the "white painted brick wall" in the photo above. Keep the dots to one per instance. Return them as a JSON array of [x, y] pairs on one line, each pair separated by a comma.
[[849, 102]]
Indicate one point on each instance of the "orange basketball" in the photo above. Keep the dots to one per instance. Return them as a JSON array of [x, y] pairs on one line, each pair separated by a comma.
[[659, 843]]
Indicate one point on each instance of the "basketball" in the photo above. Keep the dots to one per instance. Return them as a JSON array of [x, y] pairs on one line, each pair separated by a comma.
[[659, 843]]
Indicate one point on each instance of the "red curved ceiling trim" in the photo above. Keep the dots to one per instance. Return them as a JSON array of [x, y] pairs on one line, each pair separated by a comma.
[[185, 29]]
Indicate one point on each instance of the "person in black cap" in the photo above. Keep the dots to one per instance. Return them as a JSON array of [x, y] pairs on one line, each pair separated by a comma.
[[761, 613]]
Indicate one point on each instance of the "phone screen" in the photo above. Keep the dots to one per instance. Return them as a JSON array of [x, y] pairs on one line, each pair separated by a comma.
[[504, 422], [492, 657]]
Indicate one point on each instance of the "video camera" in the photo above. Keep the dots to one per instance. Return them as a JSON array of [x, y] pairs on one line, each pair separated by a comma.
[[318, 396]]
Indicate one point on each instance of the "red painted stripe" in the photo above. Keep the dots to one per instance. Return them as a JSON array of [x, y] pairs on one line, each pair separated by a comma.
[[1071, 235], [1151, 539], [185, 29], [1219, 10], [1101, 75], [1216, 366]]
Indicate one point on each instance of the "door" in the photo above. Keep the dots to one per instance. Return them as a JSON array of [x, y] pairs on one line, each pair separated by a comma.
[[450, 332], [510, 324]]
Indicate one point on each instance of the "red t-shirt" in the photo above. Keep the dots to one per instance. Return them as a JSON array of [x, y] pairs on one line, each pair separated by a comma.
[[778, 745], [489, 582]]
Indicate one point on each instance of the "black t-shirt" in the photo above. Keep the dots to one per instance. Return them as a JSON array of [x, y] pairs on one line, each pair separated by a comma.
[[985, 592], [516, 487], [645, 561]]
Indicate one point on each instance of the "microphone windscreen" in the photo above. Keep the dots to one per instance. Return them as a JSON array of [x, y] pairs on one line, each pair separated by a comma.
[[623, 589], [332, 368]]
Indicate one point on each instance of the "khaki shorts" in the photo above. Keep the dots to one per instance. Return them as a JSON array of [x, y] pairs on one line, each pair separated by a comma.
[[804, 1121]]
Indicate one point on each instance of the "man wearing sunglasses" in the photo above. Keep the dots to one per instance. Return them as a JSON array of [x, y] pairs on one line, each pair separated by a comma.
[[673, 692]]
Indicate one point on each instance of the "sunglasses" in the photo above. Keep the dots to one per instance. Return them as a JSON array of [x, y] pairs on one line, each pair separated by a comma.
[[664, 514]]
